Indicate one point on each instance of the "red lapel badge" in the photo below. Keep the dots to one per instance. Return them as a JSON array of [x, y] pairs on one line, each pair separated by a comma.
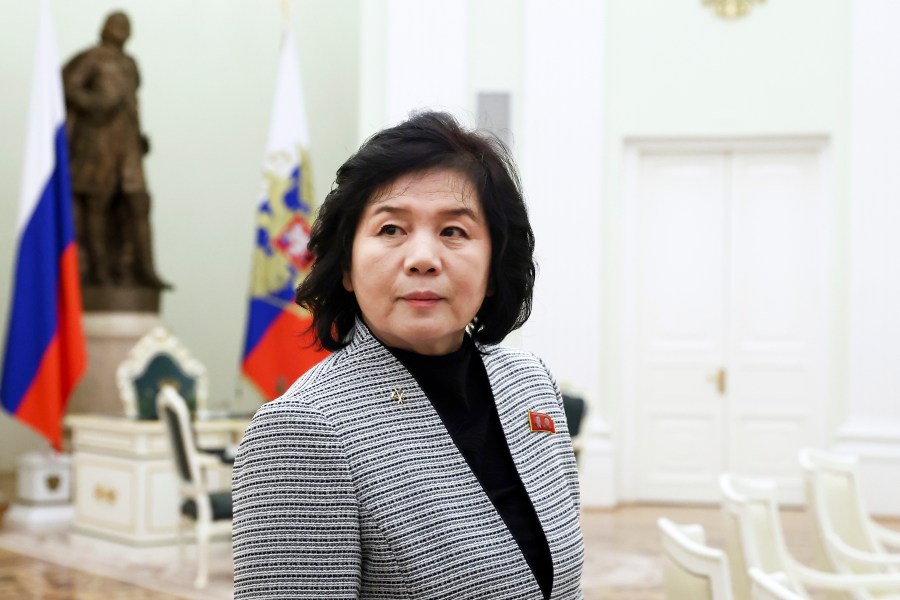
[[541, 422]]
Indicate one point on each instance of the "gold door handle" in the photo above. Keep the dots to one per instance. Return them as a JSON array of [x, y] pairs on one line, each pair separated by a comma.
[[719, 379]]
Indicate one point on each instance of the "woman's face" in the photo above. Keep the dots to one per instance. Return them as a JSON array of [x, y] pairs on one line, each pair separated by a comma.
[[420, 262]]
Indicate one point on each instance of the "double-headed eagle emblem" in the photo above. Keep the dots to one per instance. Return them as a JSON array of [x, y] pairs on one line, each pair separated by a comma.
[[281, 258]]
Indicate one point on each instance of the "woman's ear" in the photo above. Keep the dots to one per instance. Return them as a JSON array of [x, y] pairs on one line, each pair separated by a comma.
[[348, 283]]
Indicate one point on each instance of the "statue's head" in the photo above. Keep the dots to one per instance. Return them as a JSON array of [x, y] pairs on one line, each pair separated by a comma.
[[116, 29]]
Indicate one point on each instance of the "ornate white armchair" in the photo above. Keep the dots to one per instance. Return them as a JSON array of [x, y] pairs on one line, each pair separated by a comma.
[[160, 358], [854, 543], [753, 526], [691, 568], [210, 512]]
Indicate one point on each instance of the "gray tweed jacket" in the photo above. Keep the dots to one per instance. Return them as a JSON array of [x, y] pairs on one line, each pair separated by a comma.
[[349, 486]]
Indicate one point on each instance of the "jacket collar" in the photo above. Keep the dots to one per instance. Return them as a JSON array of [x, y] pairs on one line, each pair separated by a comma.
[[363, 340]]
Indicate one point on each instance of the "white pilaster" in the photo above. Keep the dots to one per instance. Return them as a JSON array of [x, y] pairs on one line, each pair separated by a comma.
[[872, 428], [413, 56], [562, 139]]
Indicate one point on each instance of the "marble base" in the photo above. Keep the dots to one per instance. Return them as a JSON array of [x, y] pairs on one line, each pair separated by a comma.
[[38, 518], [109, 338], [877, 444], [43, 489]]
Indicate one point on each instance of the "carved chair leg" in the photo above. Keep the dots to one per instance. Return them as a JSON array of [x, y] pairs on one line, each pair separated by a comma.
[[179, 531], [203, 532]]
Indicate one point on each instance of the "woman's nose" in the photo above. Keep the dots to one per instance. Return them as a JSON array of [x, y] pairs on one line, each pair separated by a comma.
[[423, 255]]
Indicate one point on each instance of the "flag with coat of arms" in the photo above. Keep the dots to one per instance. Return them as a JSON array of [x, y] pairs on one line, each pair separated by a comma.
[[279, 346]]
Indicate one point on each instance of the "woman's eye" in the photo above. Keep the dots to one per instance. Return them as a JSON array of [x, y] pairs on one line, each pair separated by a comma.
[[389, 230], [453, 232]]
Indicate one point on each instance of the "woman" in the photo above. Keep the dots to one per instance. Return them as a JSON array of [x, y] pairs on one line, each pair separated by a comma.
[[419, 460]]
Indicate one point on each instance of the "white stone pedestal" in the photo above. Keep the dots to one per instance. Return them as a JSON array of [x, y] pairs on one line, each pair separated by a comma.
[[43, 492], [109, 338]]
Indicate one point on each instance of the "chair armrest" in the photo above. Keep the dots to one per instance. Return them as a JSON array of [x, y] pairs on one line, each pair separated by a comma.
[[208, 461], [860, 557], [846, 582], [889, 537], [782, 578], [773, 585]]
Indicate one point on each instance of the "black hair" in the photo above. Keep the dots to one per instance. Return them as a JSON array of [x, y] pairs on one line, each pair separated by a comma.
[[425, 141]]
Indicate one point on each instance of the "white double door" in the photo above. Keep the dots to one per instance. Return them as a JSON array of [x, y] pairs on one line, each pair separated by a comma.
[[727, 327]]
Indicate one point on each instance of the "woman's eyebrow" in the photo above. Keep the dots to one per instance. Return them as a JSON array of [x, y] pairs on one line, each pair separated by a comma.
[[388, 208], [463, 211]]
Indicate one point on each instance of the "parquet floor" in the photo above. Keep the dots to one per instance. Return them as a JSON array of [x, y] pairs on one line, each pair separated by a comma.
[[622, 559], [23, 578]]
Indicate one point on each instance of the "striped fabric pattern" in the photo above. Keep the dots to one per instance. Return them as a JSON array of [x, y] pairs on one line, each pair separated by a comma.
[[341, 491]]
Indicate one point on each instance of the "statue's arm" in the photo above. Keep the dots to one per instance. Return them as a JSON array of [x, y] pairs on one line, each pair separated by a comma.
[[137, 73], [145, 141], [86, 90]]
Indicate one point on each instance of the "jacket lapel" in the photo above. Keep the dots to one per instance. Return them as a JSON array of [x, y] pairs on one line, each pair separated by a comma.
[[535, 453]]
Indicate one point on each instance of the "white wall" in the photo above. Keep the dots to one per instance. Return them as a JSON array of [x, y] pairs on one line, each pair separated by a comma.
[[208, 70]]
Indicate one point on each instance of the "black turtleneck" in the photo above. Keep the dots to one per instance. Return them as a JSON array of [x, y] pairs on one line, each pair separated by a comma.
[[458, 387]]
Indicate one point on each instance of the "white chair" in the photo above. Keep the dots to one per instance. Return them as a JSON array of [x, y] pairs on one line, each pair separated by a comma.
[[575, 408], [691, 568], [158, 358], [210, 512], [773, 586], [753, 526], [854, 543]]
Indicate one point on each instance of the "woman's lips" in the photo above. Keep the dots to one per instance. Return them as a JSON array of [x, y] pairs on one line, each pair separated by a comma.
[[421, 300]]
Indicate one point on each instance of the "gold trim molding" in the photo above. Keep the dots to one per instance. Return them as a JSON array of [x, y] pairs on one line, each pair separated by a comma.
[[731, 9]]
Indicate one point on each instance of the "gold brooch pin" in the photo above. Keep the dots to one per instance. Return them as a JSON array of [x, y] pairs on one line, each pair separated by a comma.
[[397, 396]]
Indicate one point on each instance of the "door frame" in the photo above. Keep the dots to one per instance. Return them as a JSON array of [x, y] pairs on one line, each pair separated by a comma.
[[634, 149]]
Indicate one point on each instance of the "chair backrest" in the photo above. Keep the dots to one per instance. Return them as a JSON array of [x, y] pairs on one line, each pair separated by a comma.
[[833, 492], [753, 532], [174, 413], [159, 358], [575, 408], [772, 587], [691, 568]]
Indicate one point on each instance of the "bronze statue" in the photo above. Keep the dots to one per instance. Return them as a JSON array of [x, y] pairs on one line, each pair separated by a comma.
[[112, 206]]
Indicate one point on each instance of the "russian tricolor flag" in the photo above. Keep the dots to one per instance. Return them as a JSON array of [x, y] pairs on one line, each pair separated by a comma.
[[45, 353], [278, 345]]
